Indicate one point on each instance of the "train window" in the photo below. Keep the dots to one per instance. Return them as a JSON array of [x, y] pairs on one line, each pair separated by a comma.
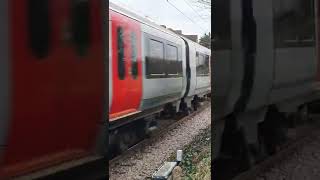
[[121, 59], [80, 25], [172, 64], [222, 29], [294, 23], [202, 64], [155, 59], [156, 49], [172, 53], [134, 63], [197, 59], [207, 64], [39, 27]]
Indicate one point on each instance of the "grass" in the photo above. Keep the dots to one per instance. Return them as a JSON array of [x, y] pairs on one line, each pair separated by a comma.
[[196, 163]]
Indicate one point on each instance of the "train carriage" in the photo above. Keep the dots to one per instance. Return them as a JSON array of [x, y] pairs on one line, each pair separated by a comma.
[[265, 74], [53, 81], [52, 84], [153, 70]]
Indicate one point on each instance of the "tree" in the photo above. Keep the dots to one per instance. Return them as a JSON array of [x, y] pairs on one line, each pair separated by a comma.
[[205, 40]]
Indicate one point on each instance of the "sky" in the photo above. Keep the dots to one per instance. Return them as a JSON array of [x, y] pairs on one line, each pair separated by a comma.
[[163, 13]]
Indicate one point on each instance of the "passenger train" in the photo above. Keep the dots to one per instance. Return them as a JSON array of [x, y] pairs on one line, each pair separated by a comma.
[[266, 75], [54, 78], [152, 70]]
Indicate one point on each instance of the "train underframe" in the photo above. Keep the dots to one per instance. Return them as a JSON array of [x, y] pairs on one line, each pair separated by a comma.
[[243, 140], [133, 130]]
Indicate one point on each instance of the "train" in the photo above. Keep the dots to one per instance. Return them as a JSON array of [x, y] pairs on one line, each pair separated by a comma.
[[266, 76], [153, 71], [54, 76]]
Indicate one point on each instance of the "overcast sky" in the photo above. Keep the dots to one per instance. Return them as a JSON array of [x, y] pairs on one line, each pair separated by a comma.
[[161, 12]]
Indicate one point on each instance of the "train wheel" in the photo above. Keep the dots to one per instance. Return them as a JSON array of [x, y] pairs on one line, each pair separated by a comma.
[[113, 149], [303, 114], [236, 154], [125, 142], [169, 111], [262, 149], [246, 159], [184, 108], [292, 120], [195, 103], [274, 130]]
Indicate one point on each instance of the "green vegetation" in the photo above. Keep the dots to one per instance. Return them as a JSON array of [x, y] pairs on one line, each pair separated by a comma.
[[196, 163], [205, 40]]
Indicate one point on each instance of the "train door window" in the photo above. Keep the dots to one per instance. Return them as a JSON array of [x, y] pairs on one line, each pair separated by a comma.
[[197, 64], [155, 59], [206, 64], [172, 61], [81, 25], [222, 29], [134, 62], [202, 65], [39, 27], [294, 23], [121, 59]]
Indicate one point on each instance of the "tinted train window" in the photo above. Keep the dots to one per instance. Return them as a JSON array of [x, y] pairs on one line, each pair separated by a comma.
[[202, 64], [155, 59], [121, 59], [172, 64], [39, 27], [156, 49], [172, 53], [222, 29], [206, 63], [294, 23], [134, 63], [80, 25]]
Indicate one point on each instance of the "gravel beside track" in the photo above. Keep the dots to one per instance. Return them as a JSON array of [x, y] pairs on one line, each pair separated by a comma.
[[141, 162], [302, 164], [299, 159]]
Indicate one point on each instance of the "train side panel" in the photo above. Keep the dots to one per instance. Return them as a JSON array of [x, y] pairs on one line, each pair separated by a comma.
[[203, 71], [193, 67], [126, 65], [200, 69], [317, 20], [57, 83], [4, 76], [163, 79], [294, 50], [110, 61]]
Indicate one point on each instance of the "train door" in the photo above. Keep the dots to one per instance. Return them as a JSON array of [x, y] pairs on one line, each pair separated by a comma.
[[57, 82], [295, 64], [227, 55], [257, 40], [126, 66]]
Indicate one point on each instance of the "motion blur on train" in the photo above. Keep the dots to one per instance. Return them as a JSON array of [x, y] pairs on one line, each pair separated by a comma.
[[266, 75], [53, 77], [153, 72]]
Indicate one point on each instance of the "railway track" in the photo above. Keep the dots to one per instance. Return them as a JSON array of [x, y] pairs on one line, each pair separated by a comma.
[[165, 126], [302, 136]]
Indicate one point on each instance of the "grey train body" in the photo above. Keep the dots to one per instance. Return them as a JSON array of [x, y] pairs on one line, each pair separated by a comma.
[[261, 64]]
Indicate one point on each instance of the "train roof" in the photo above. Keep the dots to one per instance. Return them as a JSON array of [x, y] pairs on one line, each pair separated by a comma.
[[139, 18], [197, 44], [147, 22]]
